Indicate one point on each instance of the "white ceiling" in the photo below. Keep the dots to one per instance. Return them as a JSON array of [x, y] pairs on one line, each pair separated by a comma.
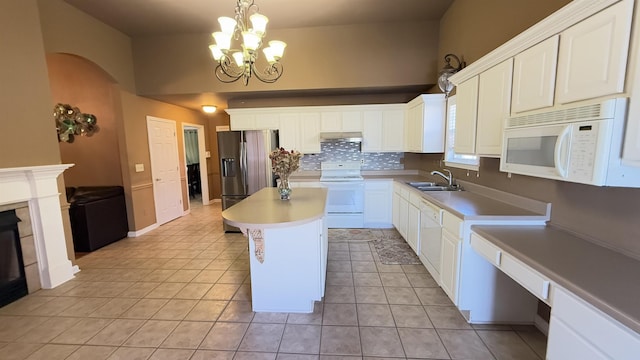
[[161, 17]]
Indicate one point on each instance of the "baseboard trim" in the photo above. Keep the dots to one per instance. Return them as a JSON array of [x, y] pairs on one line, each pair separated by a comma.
[[75, 269], [541, 324], [142, 231]]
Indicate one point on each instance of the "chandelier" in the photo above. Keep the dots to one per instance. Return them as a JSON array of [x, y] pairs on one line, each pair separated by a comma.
[[236, 64]]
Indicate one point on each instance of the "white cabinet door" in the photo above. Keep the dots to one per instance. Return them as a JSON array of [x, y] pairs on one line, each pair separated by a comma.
[[372, 131], [466, 115], [288, 133], [534, 76], [309, 133], [403, 217], [450, 253], [242, 122], [494, 105], [352, 120], [378, 203], [413, 227], [267, 121], [331, 121], [413, 127], [393, 130], [395, 216], [592, 58]]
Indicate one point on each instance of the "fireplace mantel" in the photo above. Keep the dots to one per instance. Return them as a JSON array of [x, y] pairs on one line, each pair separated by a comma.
[[38, 186]]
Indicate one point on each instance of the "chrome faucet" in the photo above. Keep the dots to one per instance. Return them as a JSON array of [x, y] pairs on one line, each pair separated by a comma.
[[448, 178]]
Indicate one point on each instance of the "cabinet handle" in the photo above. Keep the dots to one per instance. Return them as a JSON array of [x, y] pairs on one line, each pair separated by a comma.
[[498, 257]]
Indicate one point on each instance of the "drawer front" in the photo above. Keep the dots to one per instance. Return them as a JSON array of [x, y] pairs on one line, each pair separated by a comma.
[[489, 251], [605, 333], [452, 224], [525, 276]]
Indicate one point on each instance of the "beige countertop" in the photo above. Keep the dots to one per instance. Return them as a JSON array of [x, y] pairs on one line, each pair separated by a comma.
[[264, 209], [608, 280], [475, 203]]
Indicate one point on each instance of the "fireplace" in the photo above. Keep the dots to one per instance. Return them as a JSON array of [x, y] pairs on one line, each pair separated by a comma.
[[13, 282], [33, 193]]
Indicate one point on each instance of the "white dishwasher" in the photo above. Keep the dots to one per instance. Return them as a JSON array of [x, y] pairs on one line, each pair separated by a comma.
[[430, 237]]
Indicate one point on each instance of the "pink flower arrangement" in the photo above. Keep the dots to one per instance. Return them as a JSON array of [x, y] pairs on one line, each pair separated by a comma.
[[284, 162]]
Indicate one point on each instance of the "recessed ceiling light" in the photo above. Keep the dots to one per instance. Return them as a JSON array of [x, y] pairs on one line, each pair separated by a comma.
[[209, 109]]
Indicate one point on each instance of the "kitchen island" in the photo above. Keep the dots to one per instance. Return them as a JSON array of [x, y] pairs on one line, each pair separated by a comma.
[[287, 247]]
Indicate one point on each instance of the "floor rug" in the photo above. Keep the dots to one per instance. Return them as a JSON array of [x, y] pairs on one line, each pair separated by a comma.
[[395, 252], [354, 234]]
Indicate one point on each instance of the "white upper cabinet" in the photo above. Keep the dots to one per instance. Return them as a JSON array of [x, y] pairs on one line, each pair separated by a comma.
[[309, 132], [242, 120], [341, 120], [466, 116], [288, 134], [383, 129], [425, 124], [593, 55], [393, 130], [534, 76], [494, 105]]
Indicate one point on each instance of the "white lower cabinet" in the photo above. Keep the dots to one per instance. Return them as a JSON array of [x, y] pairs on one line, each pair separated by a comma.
[[413, 222], [378, 203], [430, 238], [450, 254], [578, 330]]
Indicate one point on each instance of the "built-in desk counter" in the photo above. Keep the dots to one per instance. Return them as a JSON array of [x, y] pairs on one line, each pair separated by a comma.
[[287, 247]]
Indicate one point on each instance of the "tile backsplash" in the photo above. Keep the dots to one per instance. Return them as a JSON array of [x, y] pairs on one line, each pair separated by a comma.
[[350, 151]]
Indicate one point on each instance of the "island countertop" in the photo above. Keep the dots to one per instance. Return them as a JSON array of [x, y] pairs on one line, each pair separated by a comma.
[[264, 209]]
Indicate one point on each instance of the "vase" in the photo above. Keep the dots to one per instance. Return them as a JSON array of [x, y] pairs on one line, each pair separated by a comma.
[[283, 187]]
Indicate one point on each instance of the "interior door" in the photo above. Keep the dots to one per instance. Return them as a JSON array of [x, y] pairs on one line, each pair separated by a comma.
[[163, 148]]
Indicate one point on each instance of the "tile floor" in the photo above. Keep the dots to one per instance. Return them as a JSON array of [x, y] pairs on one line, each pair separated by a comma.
[[183, 292]]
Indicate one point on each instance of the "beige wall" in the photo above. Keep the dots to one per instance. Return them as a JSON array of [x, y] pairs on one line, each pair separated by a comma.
[[78, 82], [26, 124], [139, 189], [341, 57], [66, 29], [472, 28], [606, 215]]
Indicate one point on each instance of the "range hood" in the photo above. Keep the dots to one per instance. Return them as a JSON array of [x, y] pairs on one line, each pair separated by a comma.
[[341, 136]]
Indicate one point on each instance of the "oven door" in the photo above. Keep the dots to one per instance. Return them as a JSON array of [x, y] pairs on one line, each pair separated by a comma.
[[541, 151], [345, 196]]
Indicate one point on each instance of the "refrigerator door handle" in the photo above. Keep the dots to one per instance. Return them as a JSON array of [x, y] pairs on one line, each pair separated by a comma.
[[243, 165]]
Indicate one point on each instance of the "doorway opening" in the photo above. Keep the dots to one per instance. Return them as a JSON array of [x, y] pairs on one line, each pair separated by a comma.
[[196, 163]]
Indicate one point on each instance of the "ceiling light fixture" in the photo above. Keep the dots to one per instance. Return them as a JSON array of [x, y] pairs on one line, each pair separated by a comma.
[[236, 64], [443, 79], [209, 109]]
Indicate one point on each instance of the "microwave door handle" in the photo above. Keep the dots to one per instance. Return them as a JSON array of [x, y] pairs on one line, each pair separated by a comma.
[[561, 151]]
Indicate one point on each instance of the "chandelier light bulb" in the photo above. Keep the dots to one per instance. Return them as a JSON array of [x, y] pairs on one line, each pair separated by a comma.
[[227, 25], [239, 58], [216, 52], [251, 40], [278, 48], [222, 40], [268, 54], [259, 23]]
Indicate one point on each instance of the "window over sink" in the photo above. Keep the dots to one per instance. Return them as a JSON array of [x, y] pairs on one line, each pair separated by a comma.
[[451, 158]]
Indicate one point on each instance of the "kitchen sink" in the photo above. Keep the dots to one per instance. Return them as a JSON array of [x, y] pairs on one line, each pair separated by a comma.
[[431, 186]]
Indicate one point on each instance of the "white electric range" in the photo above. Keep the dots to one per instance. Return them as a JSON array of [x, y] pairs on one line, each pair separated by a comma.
[[345, 198]]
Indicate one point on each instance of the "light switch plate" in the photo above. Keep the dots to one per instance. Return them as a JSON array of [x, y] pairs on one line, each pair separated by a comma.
[[139, 167], [207, 154]]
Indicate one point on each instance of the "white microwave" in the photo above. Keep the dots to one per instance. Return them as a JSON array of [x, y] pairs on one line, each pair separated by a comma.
[[581, 144]]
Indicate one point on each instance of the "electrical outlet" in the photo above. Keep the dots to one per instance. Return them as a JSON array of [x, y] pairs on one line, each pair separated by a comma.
[[362, 161]]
